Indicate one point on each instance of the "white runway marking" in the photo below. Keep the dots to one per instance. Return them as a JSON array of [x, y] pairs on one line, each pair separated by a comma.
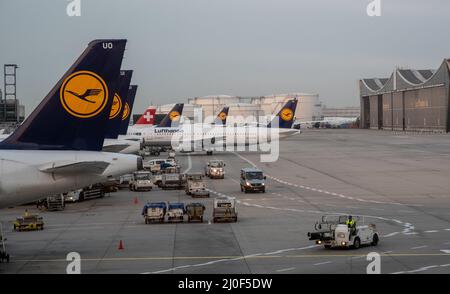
[[391, 234], [285, 269], [324, 191], [422, 269], [419, 247], [189, 164], [446, 251], [431, 231], [232, 259], [407, 227], [321, 263]]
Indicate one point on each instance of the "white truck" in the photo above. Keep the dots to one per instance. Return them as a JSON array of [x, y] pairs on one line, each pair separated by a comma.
[[214, 169], [142, 181], [333, 231]]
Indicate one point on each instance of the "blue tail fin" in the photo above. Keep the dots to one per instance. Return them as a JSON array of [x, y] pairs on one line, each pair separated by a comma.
[[74, 114], [120, 96], [221, 118], [286, 116], [128, 109], [172, 119]]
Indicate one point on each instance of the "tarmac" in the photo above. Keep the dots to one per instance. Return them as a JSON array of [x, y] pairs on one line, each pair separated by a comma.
[[398, 181]]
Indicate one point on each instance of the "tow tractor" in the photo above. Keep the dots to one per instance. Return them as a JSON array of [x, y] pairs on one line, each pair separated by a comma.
[[332, 231], [195, 185]]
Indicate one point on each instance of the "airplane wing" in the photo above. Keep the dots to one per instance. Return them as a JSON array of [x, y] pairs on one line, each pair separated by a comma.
[[67, 167]]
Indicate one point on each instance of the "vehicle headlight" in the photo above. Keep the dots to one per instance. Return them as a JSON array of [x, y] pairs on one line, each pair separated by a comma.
[[247, 183], [263, 184]]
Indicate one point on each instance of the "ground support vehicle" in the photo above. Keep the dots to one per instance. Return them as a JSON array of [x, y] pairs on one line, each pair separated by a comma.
[[31, 222], [332, 231], [195, 212], [196, 186], [141, 181], [154, 212], [176, 212], [214, 169], [252, 180], [224, 210]]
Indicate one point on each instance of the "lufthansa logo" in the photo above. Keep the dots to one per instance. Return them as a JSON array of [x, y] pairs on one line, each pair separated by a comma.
[[222, 115], [116, 106], [174, 115], [286, 114], [126, 111], [83, 94]]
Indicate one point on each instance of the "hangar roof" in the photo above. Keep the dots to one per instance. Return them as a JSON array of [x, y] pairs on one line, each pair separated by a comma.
[[402, 79]]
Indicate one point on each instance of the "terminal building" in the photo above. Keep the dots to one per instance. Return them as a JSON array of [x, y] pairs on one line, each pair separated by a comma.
[[408, 100]]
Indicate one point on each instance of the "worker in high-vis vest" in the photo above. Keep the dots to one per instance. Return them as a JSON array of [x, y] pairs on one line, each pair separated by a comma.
[[351, 225]]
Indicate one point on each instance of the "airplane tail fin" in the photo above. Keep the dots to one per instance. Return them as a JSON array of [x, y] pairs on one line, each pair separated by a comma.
[[172, 119], [120, 96], [286, 116], [221, 118], [148, 118], [74, 114], [128, 109]]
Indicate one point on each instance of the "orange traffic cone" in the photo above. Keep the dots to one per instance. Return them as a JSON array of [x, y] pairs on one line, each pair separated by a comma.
[[136, 200], [121, 245]]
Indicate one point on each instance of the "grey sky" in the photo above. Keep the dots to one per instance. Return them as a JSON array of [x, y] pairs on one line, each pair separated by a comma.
[[188, 48]]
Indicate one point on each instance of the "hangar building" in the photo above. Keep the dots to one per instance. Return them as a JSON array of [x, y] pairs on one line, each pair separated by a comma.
[[409, 100]]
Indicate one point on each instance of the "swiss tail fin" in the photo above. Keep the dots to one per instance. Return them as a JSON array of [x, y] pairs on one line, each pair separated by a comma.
[[74, 114], [286, 116], [221, 118], [120, 96], [172, 119], [148, 118], [127, 110]]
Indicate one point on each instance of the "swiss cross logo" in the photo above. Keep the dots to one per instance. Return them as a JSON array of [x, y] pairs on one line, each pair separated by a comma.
[[148, 116]]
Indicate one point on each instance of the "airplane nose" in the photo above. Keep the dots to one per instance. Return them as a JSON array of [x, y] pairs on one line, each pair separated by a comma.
[[140, 165]]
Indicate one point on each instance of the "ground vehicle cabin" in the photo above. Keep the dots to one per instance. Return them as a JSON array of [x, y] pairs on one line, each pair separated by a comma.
[[252, 180], [195, 211], [224, 209], [215, 169], [142, 181], [195, 185], [154, 211], [175, 212], [335, 231]]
